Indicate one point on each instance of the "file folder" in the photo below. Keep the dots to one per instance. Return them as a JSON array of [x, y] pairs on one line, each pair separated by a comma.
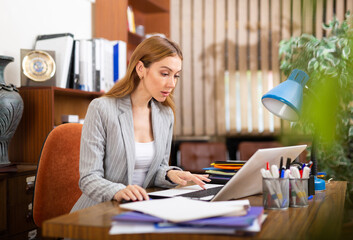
[[62, 44]]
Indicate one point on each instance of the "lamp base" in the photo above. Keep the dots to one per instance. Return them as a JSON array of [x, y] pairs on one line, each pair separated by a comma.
[[319, 184], [311, 185]]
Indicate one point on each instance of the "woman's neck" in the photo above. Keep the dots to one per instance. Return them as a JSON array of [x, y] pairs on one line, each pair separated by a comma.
[[140, 99]]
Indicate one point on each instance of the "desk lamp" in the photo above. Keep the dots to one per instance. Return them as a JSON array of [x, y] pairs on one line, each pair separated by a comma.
[[285, 101]]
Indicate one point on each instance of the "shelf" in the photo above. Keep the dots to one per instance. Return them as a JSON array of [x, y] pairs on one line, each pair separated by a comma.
[[150, 6], [43, 108], [110, 20], [134, 39]]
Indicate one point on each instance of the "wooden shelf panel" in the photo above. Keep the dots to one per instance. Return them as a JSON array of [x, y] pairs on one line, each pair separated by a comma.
[[134, 39], [150, 6], [43, 107]]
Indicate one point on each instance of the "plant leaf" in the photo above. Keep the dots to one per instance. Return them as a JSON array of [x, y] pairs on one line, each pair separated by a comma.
[[345, 52], [313, 64], [350, 132]]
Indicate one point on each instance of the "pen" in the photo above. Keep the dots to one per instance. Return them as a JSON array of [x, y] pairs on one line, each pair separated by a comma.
[[281, 164], [310, 164], [288, 163], [306, 172]]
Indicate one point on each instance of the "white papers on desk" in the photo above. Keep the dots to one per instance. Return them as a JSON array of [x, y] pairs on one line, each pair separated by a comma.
[[180, 209]]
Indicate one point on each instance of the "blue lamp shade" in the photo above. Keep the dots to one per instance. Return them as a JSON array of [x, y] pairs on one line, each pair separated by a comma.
[[285, 100]]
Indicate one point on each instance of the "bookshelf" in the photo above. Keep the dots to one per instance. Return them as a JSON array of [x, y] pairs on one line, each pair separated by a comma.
[[110, 20], [43, 107]]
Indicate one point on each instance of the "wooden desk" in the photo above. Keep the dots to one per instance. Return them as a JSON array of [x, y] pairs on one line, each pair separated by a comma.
[[322, 219]]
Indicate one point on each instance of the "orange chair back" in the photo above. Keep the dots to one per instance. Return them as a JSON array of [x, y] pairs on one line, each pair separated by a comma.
[[194, 156], [56, 185]]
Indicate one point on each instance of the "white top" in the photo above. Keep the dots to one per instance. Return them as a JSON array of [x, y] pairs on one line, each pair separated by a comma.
[[144, 153]]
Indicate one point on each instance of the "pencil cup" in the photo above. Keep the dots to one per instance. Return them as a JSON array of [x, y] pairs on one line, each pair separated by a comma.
[[275, 193], [299, 192]]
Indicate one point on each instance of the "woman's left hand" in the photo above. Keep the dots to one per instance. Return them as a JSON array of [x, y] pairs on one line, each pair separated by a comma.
[[182, 177]]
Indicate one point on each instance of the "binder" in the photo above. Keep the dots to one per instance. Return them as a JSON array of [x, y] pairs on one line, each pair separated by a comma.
[[96, 50], [76, 68], [119, 51], [86, 66], [62, 44]]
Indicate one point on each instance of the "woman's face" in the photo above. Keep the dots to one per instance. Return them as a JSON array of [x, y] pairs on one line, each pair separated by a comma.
[[160, 78]]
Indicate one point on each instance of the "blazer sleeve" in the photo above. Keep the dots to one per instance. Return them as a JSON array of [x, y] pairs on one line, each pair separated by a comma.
[[92, 150], [160, 180]]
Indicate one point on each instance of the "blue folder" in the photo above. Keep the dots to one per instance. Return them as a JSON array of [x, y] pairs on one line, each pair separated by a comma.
[[233, 222]]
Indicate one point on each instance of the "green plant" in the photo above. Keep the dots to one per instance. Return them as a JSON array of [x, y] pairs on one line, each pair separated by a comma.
[[328, 104]]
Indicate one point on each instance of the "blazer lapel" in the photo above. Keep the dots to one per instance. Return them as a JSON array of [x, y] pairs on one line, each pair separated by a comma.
[[159, 134], [127, 129]]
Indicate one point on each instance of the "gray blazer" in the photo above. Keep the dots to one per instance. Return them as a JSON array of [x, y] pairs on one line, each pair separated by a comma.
[[107, 153]]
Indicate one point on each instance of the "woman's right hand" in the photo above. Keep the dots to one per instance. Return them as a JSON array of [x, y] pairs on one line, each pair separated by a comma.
[[131, 193]]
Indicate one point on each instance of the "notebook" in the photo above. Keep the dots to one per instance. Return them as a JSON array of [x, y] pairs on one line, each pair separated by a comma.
[[246, 182]]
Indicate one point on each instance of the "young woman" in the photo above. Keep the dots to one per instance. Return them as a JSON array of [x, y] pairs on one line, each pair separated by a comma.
[[127, 133]]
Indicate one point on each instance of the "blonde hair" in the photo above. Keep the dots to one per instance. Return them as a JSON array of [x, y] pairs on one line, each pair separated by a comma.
[[150, 50]]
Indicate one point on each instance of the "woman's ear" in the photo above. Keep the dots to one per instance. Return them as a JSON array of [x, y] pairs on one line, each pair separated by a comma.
[[140, 69]]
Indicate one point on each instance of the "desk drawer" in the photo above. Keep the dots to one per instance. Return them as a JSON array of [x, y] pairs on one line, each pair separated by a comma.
[[20, 190], [20, 218], [3, 215]]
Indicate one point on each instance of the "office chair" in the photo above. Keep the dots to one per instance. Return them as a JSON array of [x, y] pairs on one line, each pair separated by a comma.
[[247, 149], [194, 156], [56, 185]]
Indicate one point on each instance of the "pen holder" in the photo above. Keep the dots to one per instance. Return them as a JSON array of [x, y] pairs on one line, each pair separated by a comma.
[[299, 192], [275, 193]]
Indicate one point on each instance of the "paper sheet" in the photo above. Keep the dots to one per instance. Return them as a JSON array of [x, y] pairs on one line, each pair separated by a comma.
[[179, 209]]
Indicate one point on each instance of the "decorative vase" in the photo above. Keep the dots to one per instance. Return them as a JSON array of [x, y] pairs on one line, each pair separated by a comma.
[[11, 109]]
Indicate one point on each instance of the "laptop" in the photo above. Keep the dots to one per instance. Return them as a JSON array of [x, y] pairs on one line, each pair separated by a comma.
[[246, 182]]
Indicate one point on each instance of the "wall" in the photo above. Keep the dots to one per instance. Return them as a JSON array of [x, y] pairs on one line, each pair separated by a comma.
[[22, 20]]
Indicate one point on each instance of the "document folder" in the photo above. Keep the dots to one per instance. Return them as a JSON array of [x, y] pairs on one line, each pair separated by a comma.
[[62, 44]]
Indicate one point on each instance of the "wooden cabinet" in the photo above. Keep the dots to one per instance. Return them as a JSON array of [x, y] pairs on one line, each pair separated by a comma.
[[16, 195], [43, 107], [110, 19]]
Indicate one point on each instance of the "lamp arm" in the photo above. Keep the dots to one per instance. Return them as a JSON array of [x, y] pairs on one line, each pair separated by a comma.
[[313, 157], [313, 144]]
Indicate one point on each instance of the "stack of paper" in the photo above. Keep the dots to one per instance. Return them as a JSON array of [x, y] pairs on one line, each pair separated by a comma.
[[222, 171], [187, 216]]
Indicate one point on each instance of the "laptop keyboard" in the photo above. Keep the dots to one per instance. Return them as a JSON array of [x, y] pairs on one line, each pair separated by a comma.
[[202, 193]]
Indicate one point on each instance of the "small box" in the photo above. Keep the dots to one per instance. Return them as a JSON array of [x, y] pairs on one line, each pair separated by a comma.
[[69, 119]]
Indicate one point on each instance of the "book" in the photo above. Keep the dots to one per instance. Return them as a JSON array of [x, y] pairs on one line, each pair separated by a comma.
[[62, 44], [131, 20], [85, 65], [119, 60], [96, 64], [76, 68]]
